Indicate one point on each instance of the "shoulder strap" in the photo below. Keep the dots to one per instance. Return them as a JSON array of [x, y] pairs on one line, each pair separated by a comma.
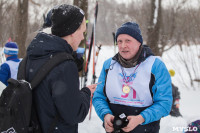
[[21, 74], [45, 69], [48, 66]]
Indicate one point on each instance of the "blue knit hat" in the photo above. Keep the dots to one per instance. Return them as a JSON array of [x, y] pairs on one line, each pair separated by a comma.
[[132, 29], [11, 48]]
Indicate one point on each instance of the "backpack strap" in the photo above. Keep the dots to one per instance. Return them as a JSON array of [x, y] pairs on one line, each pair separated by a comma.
[[22, 69], [45, 69], [48, 66]]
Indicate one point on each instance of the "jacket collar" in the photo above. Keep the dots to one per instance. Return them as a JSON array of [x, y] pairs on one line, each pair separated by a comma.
[[146, 52], [13, 57]]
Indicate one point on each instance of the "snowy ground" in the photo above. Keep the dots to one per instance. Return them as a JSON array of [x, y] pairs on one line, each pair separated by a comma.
[[189, 103]]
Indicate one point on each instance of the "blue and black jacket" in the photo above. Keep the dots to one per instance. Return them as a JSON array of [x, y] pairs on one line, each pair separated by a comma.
[[160, 89]]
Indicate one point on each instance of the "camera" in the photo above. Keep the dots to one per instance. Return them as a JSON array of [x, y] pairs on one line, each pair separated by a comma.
[[120, 121]]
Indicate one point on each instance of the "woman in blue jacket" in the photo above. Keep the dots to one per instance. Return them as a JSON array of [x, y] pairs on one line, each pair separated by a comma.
[[134, 82]]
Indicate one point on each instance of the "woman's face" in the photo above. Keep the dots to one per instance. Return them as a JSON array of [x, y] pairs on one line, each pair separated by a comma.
[[128, 46]]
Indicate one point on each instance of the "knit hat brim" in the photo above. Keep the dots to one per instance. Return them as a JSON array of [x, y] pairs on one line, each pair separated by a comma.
[[132, 29], [11, 48], [10, 51]]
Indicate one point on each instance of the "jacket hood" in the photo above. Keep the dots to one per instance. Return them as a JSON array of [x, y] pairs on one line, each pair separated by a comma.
[[44, 44]]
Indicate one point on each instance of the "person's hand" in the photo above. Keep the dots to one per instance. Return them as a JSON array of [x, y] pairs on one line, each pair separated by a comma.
[[92, 88], [134, 121], [108, 123]]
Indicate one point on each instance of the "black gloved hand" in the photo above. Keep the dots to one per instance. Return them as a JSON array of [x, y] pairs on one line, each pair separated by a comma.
[[79, 61]]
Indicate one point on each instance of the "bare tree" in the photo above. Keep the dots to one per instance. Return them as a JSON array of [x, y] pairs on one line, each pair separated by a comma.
[[1, 16], [83, 4], [7, 23], [184, 30], [154, 26], [76, 2], [21, 25], [171, 29]]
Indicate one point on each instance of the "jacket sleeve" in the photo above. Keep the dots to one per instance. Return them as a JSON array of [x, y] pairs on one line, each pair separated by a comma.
[[99, 99], [4, 73], [71, 102], [162, 94]]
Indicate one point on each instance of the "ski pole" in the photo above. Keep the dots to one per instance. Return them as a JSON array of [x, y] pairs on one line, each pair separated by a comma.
[[93, 43], [90, 112]]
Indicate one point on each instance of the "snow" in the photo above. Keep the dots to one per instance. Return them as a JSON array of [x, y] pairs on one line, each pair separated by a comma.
[[156, 3], [189, 102], [181, 62], [2, 57]]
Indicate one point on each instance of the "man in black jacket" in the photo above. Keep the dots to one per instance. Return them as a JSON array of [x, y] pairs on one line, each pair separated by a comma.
[[58, 94]]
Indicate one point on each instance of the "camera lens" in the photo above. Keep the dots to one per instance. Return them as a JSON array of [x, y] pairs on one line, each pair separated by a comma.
[[118, 122]]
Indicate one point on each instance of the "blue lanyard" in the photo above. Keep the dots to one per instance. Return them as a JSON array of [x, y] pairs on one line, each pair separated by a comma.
[[123, 72]]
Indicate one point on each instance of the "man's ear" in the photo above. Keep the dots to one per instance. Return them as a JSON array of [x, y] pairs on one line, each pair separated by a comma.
[[73, 34]]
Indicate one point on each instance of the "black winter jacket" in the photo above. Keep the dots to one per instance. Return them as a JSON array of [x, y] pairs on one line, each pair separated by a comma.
[[58, 94]]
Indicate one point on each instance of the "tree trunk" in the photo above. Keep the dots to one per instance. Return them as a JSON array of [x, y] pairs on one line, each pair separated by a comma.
[[1, 24], [76, 2], [154, 28], [83, 4], [21, 26]]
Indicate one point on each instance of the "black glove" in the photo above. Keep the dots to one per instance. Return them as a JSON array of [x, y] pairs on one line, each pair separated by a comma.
[[79, 61]]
